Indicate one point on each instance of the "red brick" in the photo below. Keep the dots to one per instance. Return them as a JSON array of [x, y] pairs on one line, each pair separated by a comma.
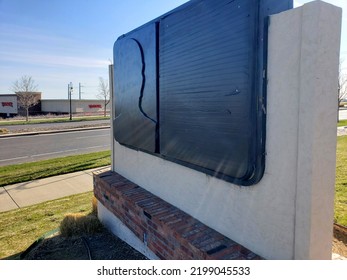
[[147, 202], [155, 208], [160, 237], [152, 225], [199, 236], [154, 204], [161, 247], [128, 193], [224, 252], [121, 186], [169, 216], [139, 197], [172, 233]]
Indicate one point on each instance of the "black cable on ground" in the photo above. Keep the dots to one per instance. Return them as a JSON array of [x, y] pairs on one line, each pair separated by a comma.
[[85, 242]]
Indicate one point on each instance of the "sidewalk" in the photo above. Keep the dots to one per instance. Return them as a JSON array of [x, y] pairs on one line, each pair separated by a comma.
[[41, 190], [341, 130]]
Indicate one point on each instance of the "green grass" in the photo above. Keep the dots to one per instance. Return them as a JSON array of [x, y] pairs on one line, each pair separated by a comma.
[[342, 123], [20, 228], [18, 173], [52, 120], [341, 182]]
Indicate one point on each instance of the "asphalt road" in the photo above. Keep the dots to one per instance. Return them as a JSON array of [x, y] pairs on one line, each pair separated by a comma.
[[21, 149]]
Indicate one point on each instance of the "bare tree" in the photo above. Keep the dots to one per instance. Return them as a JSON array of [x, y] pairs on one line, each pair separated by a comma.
[[25, 89], [104, 92], [341, 89]]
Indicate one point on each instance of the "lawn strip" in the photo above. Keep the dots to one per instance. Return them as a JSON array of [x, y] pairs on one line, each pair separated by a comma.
[[18, 173], [340, 208], [342, 123], [52, 120]]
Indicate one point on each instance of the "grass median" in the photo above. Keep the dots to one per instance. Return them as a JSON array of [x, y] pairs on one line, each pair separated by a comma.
[[342, 123], [24, 172], [52, 120]]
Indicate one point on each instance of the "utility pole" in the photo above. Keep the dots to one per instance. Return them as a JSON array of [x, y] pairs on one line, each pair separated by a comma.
[[79, 90], [70, 89]]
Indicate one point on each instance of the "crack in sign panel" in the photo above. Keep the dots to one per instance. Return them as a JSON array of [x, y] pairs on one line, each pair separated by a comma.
[[135, 73], [143, 71]]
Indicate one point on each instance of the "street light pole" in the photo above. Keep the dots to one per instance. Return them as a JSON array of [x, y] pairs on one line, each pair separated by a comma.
[[70, 89]]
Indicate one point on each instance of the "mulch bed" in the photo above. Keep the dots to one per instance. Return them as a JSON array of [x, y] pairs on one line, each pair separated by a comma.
[[104, 245], [340, 240], [99, 246]]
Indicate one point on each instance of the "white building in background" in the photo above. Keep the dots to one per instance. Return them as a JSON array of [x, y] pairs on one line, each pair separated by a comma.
[[8, 105], [62, 106]]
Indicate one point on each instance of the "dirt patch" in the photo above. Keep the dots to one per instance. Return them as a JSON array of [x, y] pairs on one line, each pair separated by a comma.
[[340, 240], [106, 246], [82, 237], [100, 246]]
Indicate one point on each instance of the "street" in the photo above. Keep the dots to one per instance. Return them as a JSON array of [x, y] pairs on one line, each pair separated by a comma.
[[21, 149]]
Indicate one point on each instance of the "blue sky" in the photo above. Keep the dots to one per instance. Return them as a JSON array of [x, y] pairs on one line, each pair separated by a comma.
[[60, 41]]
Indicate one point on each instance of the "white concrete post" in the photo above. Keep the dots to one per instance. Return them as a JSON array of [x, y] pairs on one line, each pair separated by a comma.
[[311, 35], [317, 130], [112, 114]]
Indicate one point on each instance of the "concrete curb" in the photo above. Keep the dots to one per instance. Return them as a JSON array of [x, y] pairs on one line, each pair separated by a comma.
[[52, 131]]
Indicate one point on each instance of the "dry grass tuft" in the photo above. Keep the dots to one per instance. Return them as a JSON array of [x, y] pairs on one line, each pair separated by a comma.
[[79, 224], [4, 131], [94, 206]]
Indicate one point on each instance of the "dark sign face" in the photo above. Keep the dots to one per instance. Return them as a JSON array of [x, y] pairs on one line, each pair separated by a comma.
[[190, 87]]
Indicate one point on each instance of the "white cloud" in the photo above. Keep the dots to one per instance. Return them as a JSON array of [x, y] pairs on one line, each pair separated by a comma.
[[297, 3], [51, 60], [27, 45]]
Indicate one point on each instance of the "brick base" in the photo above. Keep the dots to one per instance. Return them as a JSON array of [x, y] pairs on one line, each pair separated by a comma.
[[169, 233]]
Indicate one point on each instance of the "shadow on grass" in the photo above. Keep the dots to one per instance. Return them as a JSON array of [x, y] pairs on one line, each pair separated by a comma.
[[13, 257]]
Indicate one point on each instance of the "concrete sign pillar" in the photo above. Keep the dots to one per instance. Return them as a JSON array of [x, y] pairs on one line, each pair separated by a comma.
[[304, 56]]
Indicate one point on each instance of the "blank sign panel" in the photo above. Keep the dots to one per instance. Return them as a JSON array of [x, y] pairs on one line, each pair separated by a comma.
[[190, 87]]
